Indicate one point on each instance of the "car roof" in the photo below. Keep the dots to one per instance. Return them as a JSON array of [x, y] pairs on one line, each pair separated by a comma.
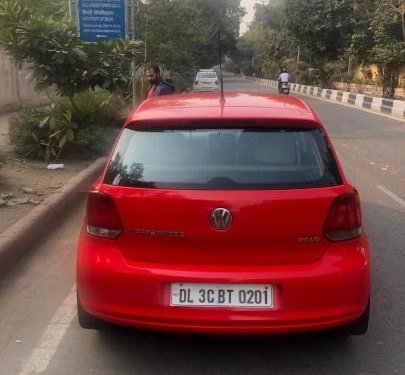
[[252, 108]]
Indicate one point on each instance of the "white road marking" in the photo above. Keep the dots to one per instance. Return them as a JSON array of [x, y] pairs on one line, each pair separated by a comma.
[[393, 196], [48, 343]]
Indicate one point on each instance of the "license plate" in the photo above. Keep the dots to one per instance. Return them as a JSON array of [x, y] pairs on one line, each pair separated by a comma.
[[222, 295]]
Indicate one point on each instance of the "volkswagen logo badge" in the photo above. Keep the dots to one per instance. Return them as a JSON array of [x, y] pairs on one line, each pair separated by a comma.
[[221, 219]]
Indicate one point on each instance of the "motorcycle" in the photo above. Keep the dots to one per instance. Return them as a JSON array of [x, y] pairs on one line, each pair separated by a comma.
[[284, 88]]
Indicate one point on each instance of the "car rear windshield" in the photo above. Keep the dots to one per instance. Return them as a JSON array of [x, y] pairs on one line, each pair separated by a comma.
[[207, 75], [222, 159]]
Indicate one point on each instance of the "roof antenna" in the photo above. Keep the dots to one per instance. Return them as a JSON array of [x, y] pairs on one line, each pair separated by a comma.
[[222, 100]]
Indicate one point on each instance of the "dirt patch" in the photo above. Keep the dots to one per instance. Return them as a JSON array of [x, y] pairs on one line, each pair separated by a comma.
[[23, 185]]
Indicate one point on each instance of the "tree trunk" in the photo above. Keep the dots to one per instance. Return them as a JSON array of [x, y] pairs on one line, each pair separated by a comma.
[[403, 26], [389, 81]]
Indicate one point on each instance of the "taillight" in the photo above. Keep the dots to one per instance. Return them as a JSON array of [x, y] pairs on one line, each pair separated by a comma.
[[344, 218], [102, 218]]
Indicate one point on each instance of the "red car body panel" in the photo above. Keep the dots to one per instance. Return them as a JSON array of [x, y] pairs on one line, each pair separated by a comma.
[[254, 109], [317, 285], [270, 240], [330, 292]]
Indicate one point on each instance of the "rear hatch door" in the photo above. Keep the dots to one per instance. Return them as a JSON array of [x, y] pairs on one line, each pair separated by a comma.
[[278, 185]]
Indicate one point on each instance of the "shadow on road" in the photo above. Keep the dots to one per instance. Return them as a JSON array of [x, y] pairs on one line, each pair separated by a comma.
[[159, 353]]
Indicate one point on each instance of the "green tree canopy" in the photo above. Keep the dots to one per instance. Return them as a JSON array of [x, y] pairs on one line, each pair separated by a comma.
[[183, 34], [57, 58], [331, 34]]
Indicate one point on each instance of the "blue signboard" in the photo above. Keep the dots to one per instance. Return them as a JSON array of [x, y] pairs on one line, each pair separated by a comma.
[[101, 20]]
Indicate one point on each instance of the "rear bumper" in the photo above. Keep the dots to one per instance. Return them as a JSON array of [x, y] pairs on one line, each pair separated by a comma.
[[205, 88], [329, 293]]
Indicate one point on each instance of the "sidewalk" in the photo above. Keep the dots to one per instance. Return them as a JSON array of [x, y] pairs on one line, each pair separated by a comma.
[[33, 199], [25, 184]]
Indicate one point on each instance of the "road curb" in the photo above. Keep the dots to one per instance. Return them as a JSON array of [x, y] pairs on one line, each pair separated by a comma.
[[16, 240], [388, 107]]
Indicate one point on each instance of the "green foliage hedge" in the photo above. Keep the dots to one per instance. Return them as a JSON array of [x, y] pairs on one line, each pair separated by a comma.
[[21, 125], [95, 115]]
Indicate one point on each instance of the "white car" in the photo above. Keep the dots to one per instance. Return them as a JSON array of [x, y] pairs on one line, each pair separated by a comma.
[[206, 80]]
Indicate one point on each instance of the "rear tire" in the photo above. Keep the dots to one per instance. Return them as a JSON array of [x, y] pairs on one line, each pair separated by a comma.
[[360, 325], [86, 320]]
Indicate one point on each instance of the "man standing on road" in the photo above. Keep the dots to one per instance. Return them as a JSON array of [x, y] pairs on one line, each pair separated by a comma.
[[157, 86], [284, 77]]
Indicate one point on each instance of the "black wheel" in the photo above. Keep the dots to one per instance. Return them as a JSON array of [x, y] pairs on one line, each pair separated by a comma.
[[360, 325], [86, 320]]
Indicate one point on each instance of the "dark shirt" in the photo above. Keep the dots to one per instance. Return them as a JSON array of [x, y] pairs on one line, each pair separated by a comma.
[[160, 89]]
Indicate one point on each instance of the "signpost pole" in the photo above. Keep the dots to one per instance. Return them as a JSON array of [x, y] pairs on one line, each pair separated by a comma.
[[133, 62]]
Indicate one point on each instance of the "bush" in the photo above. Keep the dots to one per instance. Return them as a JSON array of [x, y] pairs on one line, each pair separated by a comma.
[[335, 71], [22, 125], [96, 107], [323, 75], [84, 129]]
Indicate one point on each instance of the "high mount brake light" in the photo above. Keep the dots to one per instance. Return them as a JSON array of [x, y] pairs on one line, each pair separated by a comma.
[[343, 222], [102, 217]]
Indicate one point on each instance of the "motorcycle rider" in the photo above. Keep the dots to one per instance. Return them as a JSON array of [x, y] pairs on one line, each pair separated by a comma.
[[284, 77]]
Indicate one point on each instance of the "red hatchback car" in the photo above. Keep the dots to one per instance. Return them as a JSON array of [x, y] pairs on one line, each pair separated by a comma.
[[224, 218]]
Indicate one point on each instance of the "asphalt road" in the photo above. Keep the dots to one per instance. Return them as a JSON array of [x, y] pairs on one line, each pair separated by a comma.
[[39, 331]]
